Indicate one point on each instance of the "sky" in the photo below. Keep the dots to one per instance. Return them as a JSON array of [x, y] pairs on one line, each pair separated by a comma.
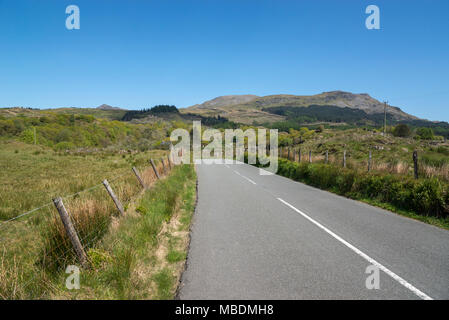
[[137, 53]]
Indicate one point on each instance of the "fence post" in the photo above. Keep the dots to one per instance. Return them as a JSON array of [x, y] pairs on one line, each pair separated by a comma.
[[168, 160], [344, 159], [299, 155], [154, 168], [310, 156], [114, 197], [415, 163], [71, 232], [170, 154], [138, 177], [369, 161], [327, 156], [163, 166]]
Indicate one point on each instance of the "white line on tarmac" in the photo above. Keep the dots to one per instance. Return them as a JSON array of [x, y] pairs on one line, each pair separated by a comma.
[[245, 177], [416, 291]]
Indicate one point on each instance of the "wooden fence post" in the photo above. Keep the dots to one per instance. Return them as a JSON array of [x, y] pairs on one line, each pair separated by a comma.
[[163, 166], [344, 159], [415, 163], [154, 167], [327, 156], [310, 156], [168, 160], [138, 177], [369, 161], [71, 232], [117, 202]]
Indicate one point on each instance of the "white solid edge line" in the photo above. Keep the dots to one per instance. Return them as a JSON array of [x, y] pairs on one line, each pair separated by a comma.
[[245, 177], [409, 286]]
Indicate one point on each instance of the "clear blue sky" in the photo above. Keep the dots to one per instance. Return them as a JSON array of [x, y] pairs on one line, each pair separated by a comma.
[[140, 53]]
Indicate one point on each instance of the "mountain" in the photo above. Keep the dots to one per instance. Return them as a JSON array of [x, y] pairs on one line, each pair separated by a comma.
[[250, 108], [108, 107], [224, 101], [234, 108]]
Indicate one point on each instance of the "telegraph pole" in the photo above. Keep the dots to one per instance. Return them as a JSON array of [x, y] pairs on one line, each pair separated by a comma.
[[385, 117]]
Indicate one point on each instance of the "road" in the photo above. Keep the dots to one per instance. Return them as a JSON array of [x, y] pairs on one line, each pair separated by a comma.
[[268, 237]]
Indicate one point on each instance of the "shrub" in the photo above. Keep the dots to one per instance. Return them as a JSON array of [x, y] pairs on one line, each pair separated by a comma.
[[424, 196], [61, 146], [401, 130], [425, 133]]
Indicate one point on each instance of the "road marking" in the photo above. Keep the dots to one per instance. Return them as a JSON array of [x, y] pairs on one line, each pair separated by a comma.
[[226, 166], [245, 177], [409, 286]]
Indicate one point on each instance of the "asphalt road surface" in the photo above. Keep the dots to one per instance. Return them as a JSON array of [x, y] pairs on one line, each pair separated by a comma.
[[268, 237]]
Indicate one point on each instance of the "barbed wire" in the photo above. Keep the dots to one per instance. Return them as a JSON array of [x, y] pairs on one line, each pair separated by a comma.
[[25, 214], [63, 197]]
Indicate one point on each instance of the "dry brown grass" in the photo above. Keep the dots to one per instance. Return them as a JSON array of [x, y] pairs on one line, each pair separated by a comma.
[[432, 171], [10, 278]]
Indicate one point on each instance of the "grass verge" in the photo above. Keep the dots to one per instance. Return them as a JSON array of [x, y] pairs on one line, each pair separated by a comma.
[[143, 254]]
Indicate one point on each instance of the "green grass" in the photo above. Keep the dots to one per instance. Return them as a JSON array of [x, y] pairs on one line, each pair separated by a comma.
[[32, 175], [438, 222], [175, 256], [164, 282], [34, 249], [126, 266]]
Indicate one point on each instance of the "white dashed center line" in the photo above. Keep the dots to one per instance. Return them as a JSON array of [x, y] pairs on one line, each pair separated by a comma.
[[245, 177], [393, 275]]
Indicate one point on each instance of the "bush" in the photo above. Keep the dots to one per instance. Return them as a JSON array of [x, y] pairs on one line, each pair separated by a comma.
[[425, 133], [429, 197], [401, 130], [61, 146]]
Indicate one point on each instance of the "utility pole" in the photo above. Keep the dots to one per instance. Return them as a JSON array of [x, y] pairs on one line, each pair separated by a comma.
[[385, 117]]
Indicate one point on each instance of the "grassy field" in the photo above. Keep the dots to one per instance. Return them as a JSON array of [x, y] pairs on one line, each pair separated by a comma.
[[32, 175], [34, 248]]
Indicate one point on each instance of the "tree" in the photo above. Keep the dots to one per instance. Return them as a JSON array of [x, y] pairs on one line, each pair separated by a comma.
[[401, 130], [425, 133]]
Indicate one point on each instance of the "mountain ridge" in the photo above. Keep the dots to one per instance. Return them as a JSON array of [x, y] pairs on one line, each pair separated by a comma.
[[234, 107], [108, 107]]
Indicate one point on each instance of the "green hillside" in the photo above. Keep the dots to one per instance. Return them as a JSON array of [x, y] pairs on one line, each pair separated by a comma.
[[64, 130]]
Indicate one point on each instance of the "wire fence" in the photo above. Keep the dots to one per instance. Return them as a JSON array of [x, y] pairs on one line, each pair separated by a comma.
[[36, 245], [369, 162]]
